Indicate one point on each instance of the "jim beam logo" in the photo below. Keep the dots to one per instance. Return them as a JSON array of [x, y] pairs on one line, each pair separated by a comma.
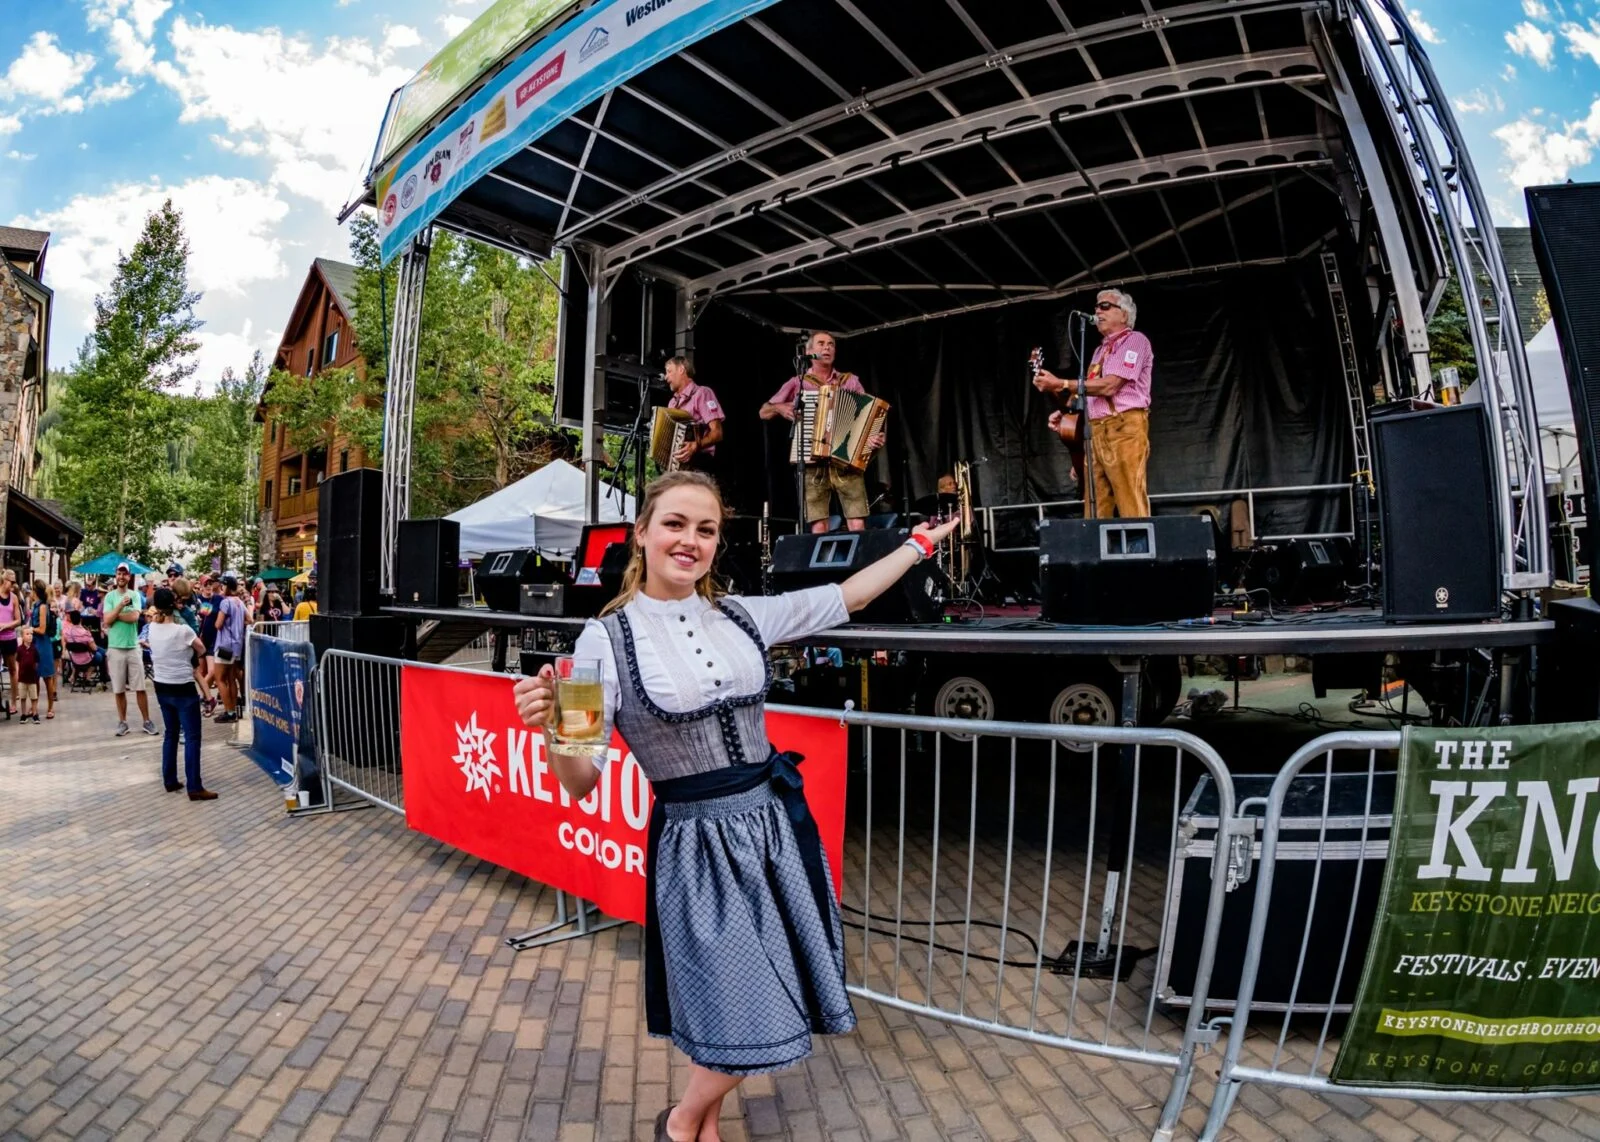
[[1441, 597], [476, 758]]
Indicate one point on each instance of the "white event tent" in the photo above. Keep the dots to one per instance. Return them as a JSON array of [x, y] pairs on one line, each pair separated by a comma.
[[543, 510]]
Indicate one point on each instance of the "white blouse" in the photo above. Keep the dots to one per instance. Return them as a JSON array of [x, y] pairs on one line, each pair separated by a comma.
[[692, 654]]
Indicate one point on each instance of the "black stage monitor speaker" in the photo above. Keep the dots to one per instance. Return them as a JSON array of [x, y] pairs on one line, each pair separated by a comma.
[[349, 540], [387, 636], [1441, 549], [425, 563], [1565, 223], [501, 575], [810, 560], [1300, 571], [1122, 572]]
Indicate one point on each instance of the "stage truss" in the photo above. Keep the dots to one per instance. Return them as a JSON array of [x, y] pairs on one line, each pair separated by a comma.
[[860, 164]]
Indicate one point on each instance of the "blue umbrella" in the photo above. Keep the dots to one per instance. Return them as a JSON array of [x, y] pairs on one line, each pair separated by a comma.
[[107, 565]]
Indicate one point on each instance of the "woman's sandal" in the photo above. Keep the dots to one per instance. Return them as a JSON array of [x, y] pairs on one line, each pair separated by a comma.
[[661, 1134]]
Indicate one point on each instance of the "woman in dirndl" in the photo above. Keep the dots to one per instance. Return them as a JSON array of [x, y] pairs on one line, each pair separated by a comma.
[[744, 953]]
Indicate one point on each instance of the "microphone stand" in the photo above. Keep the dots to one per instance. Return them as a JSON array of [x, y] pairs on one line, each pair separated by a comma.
[[1080, 402], [800, 444]]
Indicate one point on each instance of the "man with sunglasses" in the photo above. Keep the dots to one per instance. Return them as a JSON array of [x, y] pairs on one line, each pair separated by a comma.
[[1118, 382]]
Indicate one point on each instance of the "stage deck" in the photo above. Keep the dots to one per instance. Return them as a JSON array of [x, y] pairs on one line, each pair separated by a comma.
[[1337, 632]]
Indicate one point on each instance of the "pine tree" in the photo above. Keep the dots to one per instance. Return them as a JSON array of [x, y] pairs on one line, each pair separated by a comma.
[[219, 483], [117, 412]]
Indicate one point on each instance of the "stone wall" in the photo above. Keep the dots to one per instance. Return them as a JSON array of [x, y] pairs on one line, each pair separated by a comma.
[[16, 325]]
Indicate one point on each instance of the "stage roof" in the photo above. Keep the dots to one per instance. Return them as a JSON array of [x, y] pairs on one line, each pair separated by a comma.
[[854, 164]]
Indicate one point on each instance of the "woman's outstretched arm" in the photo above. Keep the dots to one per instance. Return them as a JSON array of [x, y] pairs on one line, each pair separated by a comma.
[[876, 578]]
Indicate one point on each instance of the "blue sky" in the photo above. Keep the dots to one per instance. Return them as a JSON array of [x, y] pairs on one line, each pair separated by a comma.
[[257, 118]]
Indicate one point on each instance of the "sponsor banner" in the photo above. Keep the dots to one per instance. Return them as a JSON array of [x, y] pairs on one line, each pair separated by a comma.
[[477, 779], [579, 62], [1483, 972], [459, 64], [276, 673]]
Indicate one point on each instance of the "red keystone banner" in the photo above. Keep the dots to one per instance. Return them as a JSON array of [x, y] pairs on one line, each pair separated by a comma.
[[477, 779]]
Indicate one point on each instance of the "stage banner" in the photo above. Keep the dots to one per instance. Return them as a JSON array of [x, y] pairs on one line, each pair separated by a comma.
[[276, 671], [477, 779], [1483, 972], [577, 63]]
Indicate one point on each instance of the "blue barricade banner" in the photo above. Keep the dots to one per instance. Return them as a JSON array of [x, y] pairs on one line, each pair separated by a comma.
[[278, 673]]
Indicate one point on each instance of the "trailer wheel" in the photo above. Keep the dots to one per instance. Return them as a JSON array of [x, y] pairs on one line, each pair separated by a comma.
[[964, 696], [1083, 704]]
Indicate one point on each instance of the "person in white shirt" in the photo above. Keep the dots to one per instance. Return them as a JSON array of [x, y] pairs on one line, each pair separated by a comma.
[[744, 955], [173, 650]]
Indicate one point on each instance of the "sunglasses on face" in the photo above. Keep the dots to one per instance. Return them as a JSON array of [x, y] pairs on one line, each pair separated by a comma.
[[1103, 305]]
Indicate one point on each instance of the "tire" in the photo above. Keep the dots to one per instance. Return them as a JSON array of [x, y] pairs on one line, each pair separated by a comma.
[[967, 697], [1084, 702]]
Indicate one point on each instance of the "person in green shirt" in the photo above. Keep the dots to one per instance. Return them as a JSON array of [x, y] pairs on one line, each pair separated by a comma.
[[124, 659]]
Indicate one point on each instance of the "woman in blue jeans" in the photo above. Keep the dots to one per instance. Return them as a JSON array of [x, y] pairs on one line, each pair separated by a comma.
[[173, 647]]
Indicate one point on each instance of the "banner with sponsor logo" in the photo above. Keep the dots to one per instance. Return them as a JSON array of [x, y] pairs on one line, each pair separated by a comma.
[[577, 63], [276, 672], [477, 779], [1484, 968], [482, 44]]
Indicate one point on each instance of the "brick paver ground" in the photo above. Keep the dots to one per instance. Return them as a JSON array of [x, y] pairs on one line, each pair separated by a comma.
[[207, 971]]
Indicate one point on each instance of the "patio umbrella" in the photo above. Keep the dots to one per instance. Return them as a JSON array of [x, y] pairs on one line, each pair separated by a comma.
[[107, 565], [277, 574]]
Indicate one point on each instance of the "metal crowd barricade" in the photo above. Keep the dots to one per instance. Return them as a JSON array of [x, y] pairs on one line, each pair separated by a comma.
[[1300, 1050], [358, 727], [986, 887]]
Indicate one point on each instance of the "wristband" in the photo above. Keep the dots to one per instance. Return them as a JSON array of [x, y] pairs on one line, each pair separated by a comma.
[[921, 544]]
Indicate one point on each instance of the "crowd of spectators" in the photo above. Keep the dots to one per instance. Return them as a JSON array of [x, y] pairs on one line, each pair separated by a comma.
[[184, 639]]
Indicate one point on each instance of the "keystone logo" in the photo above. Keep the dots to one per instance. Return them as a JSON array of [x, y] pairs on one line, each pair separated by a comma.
[[640, 11], [475, 756], [596, 43], [541, 79]]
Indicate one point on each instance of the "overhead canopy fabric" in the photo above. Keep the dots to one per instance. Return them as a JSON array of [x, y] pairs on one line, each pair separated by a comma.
[[543, 510], [107, 565]]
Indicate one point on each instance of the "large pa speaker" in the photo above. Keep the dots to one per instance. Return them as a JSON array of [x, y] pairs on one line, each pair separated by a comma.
[[387, 636], [1127, 571], [1565, 223], [349, 540], [811, 560], [425, 563], [1441, 549]]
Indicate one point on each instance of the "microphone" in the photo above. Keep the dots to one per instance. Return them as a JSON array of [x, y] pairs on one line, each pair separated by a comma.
[[1080, 313]]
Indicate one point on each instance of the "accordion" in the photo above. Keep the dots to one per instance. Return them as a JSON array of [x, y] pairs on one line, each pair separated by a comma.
[[669, 433], [833, 426]]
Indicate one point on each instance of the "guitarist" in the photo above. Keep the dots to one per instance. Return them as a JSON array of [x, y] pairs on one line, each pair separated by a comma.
[[1118, 382]]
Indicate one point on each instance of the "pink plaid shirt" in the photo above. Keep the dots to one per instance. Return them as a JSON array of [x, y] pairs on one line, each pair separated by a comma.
[[1128, 356], [791, 387], [701, 405]]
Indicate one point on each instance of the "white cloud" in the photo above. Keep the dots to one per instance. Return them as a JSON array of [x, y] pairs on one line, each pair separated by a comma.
[[10, 124], [397, 36], [45, 73], [111, 92], [231, 223], [221, 350], [313, 110], [1477, 101], [1535, 43], [1425, 31], [1508, 73], [1537, 154], [1535, 9], [142, 15], [1583, 41], [454, 25], [19, 157]]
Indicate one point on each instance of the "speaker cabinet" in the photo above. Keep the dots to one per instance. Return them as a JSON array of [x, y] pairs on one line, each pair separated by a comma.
[[810, 560], [1441, 549], [386, 636], [501, 575], [425, 563], [1303, 571], [1127, 571], [1565, 223], [349, 540]]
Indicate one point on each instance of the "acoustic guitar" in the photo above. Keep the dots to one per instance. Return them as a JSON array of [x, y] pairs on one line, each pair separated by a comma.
[[1071, 429]]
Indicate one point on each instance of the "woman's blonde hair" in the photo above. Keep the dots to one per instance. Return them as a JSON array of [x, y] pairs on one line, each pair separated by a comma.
[[709, 587]]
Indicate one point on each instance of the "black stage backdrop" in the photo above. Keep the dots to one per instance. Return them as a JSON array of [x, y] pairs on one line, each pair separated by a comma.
[[1247, 393]]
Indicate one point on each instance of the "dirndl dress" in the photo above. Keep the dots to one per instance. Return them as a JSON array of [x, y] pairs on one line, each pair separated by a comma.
[[744, 948]]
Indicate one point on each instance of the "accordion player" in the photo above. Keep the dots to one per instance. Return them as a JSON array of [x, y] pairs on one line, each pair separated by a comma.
[[687, 431]]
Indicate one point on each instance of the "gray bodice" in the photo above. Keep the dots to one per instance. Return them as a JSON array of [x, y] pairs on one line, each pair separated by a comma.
[[729, 731]]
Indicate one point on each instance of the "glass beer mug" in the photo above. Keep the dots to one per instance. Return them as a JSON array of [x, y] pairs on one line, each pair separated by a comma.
[[580, 707]]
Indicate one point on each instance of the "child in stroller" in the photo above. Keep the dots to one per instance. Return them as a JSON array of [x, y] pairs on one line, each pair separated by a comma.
[[85, 660]]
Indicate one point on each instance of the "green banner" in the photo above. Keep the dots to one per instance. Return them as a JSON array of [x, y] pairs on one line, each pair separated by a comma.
[[1484, 967], [481, 45]]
